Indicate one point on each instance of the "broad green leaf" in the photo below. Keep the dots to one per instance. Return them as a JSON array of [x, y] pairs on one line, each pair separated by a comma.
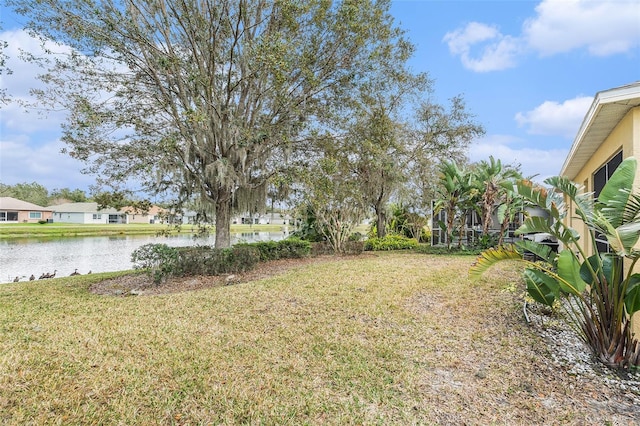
[[596, 266], [543, 251], [632, 209], [564, 185], [582, 201], [603, 266], [538, 196], [490, 257], [616, 193], [569, 273], [502, 209], [624, 238], [632, 298], [535, 224], [541, 287]]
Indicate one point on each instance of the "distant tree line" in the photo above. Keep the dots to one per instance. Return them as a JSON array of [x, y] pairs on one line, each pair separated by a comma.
[[37, 194]]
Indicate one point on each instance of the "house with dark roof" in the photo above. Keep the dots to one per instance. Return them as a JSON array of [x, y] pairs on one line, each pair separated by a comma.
[[13, 210]]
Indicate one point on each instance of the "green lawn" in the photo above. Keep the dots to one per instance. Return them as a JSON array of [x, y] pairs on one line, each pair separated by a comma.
[[391, 338]]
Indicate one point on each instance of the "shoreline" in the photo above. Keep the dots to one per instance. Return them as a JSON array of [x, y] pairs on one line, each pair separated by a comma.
[[67, 230]]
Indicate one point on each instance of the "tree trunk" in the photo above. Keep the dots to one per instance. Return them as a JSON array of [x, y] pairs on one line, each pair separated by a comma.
[[504, 226], [381, 221], [223, 219], [488, 201]]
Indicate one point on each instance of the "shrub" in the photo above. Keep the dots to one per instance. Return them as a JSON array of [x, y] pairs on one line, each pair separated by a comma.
[[205, 260], [295, 247], [321, 248], [159, 260], [356, 236], [42, 222], [353, 247], [284, 249], [390, 242]]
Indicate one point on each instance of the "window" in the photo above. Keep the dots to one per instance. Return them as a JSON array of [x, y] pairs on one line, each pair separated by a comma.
[[35, 215], [600, 178], [602, 175], [97, 216], [8, 216]]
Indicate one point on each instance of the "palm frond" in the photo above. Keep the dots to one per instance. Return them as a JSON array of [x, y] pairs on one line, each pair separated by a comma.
[[535, 224], [490, 257], [613, 198], [624, 238], [541, 250]]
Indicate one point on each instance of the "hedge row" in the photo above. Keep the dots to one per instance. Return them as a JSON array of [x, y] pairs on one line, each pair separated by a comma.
[[390, 242], [162, 261], [291, 248]]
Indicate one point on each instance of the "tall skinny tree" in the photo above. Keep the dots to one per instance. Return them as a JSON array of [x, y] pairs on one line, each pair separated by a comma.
[[205, 99]]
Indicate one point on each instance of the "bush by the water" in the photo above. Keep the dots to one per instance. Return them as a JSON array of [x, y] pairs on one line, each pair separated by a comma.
[[284, 249], [390, 242], [161, 261], [206, 260]]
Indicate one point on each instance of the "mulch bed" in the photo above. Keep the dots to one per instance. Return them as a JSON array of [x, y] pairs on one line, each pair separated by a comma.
[[140, 284]]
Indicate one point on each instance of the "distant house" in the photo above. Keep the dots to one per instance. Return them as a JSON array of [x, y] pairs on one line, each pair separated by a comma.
[[262, 219], [153, 215], [13, 210], [87, 213]]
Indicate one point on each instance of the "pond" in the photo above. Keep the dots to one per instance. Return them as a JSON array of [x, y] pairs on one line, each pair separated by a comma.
[[24, 257]]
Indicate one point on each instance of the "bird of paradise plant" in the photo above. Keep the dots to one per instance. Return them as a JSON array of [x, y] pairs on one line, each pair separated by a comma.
[[601, 290]]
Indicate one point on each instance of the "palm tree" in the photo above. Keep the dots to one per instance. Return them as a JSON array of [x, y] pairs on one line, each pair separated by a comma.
[[454, 194], [602, 295], [493, 180]]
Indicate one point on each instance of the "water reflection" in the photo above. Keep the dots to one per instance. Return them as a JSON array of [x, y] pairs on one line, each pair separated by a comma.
[[23, 257]]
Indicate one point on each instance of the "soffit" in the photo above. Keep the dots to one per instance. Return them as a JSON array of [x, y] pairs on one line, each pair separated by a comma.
[[608, 109]]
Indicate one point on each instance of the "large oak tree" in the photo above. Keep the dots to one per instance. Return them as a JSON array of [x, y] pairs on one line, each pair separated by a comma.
[[205, 99]]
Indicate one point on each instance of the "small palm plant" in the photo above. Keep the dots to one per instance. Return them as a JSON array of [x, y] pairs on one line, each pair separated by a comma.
[[601, 290]]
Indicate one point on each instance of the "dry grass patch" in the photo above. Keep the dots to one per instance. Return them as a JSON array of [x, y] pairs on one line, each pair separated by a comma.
[[381, 339]]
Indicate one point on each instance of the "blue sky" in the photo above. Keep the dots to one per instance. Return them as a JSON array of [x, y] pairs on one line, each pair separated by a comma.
[[528, 70]]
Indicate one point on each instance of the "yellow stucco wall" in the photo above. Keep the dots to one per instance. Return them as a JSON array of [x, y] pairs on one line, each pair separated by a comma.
[[625, 136]]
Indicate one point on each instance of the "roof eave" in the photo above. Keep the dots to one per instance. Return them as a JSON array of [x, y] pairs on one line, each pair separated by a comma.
[[623, 97]]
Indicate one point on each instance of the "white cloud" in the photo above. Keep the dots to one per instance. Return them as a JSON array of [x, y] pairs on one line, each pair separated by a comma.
[[604, 27], [25, 73], [553, 118], [496, 51], [45, 164], [538, 162], [22, 114]]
